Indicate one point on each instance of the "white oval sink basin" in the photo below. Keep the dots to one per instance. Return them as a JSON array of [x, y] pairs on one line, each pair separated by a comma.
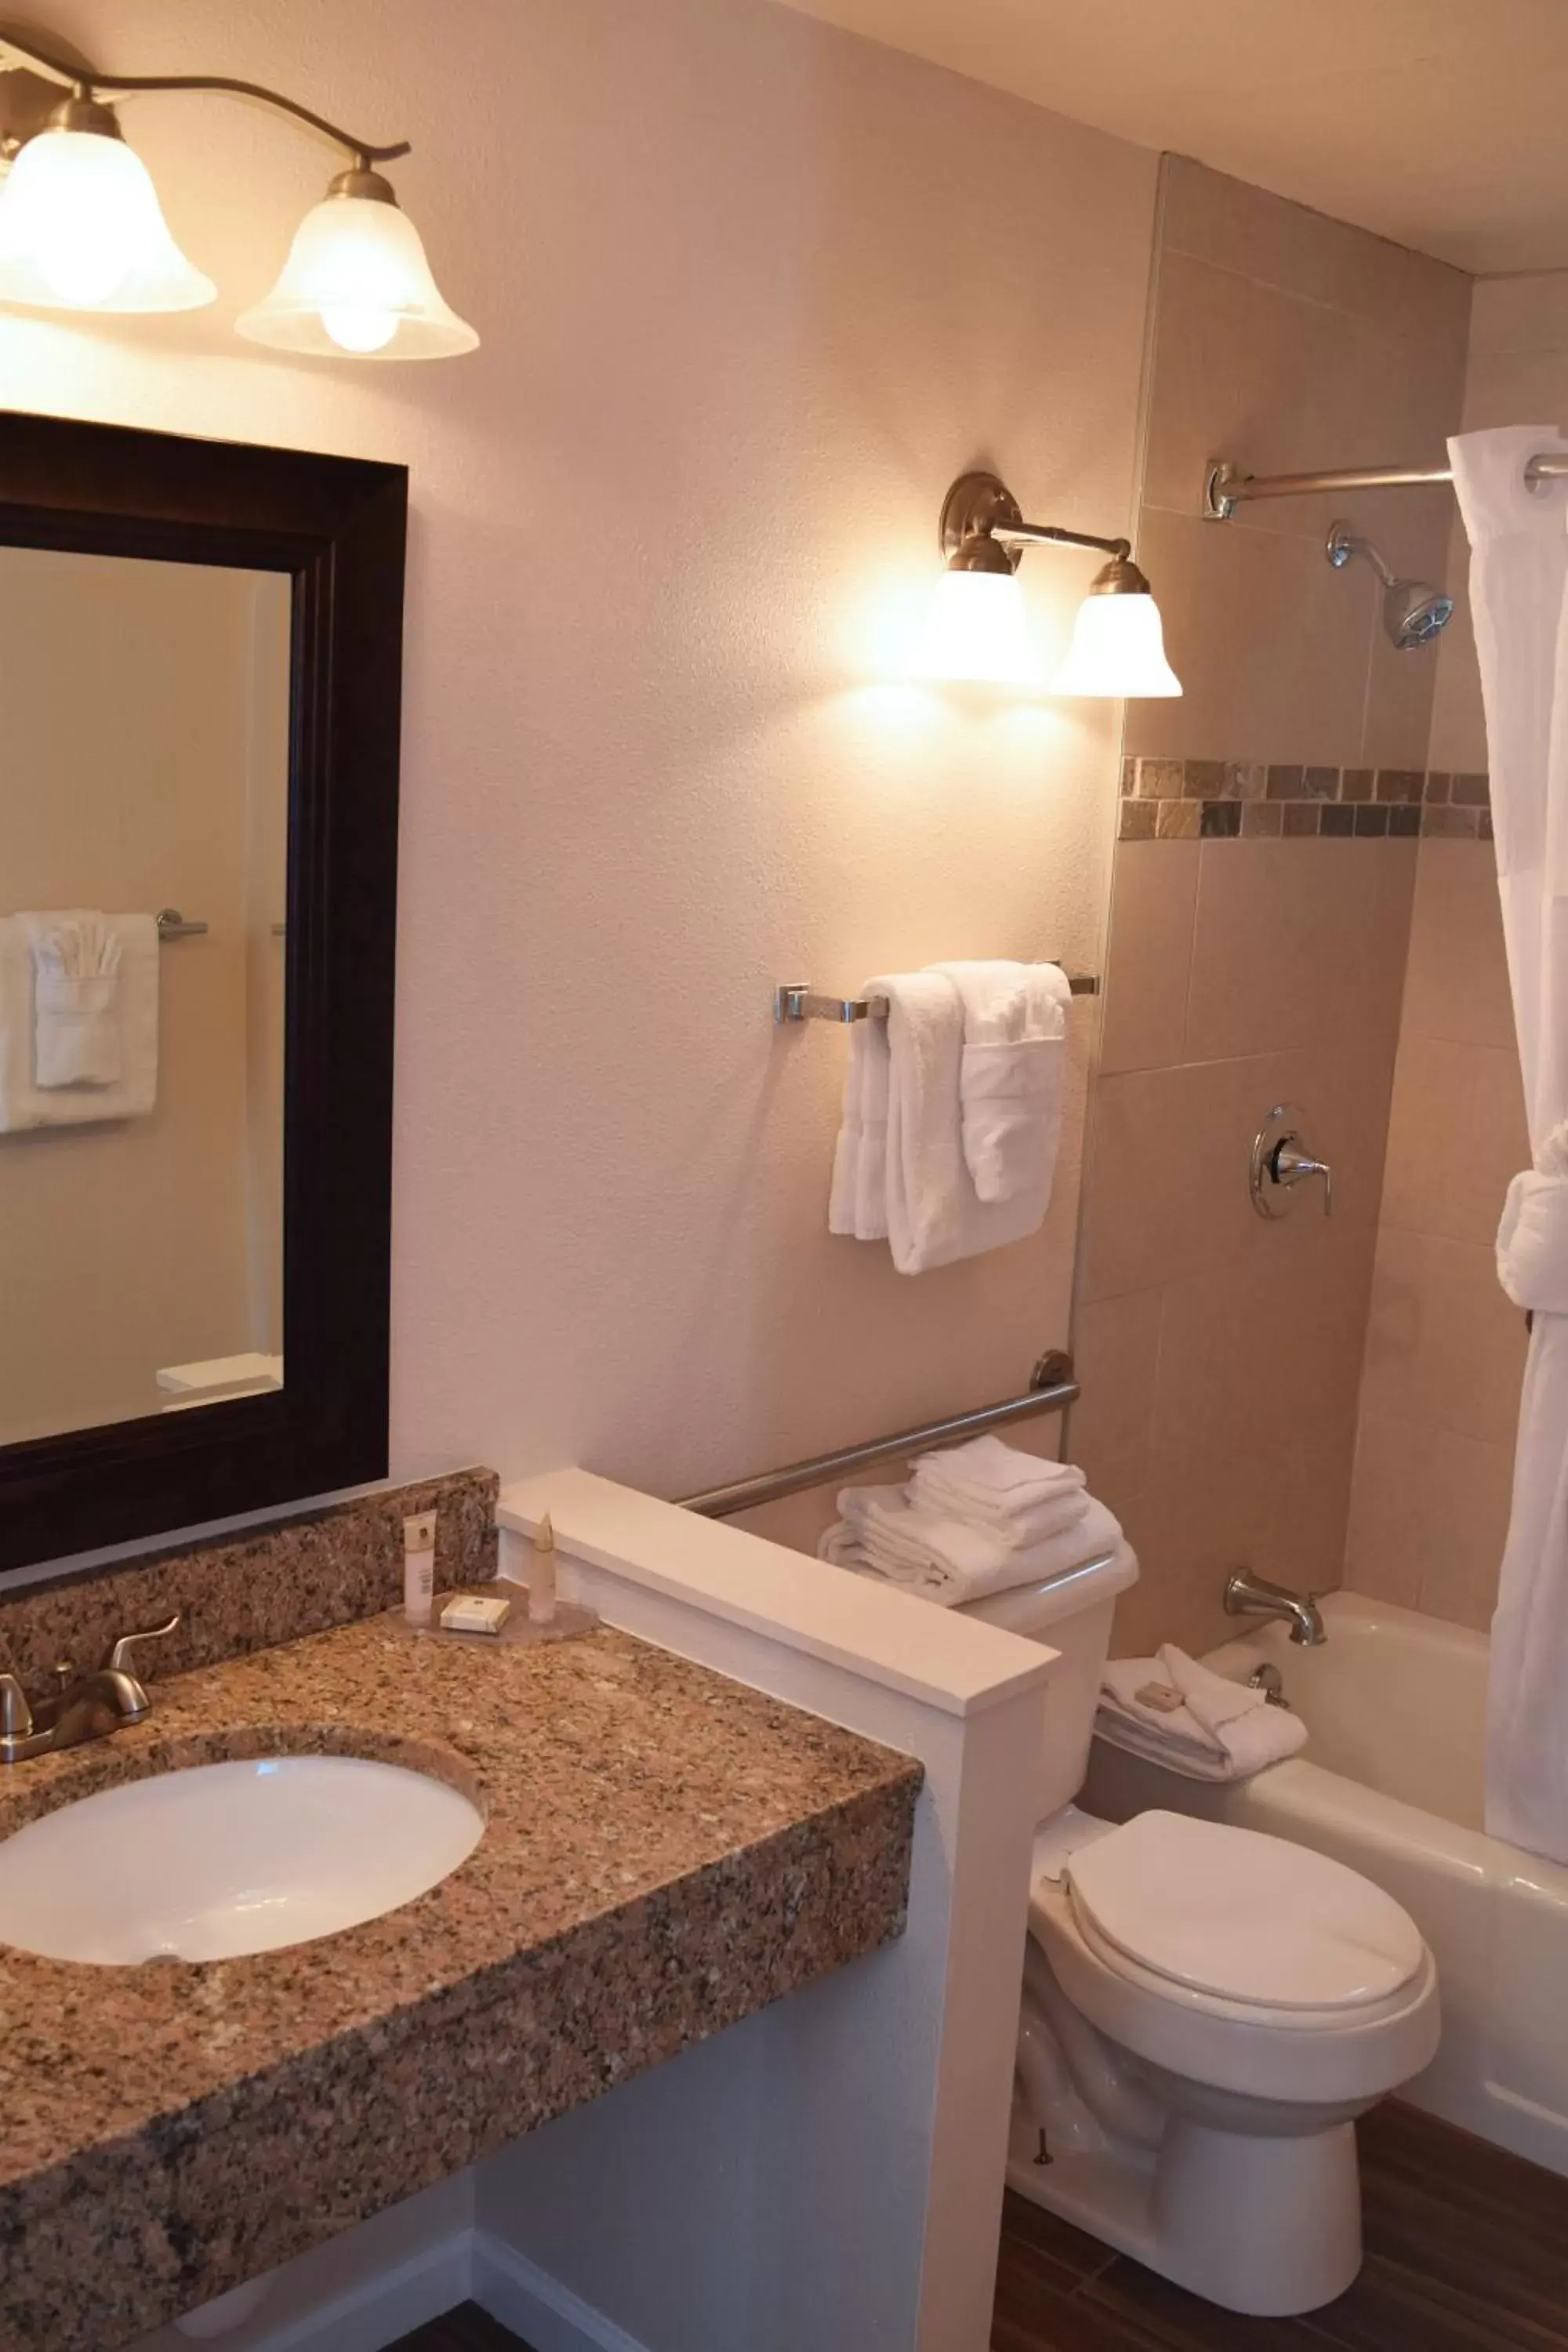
[[225, 1859]]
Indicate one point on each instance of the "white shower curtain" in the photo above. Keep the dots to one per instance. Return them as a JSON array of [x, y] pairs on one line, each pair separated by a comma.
[[1519, 591]]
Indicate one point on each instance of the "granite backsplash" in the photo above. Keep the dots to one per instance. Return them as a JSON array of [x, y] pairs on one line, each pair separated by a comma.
[[239, 1593]]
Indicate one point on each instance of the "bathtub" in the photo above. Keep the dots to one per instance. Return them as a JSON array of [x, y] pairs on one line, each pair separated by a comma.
[[1390, 1783]]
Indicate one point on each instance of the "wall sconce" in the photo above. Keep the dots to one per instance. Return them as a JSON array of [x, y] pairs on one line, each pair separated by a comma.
[[81, 227], [976, 628]]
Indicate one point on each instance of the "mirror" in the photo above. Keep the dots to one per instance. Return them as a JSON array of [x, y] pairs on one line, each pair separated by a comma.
[[200, 658], [143, 858]]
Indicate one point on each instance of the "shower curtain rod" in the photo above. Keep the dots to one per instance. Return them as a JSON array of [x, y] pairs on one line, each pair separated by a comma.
[[1225, 485]]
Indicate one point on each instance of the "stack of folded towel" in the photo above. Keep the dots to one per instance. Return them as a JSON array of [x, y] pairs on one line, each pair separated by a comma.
[[977, 1519], [1185, 1717]]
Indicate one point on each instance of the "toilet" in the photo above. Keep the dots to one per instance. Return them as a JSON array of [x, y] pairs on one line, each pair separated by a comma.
[[1206, 2012]]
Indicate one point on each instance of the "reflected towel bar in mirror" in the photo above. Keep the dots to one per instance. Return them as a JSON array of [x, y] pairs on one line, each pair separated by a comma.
[[1052, 1388], [792, 1001], [172, 925]]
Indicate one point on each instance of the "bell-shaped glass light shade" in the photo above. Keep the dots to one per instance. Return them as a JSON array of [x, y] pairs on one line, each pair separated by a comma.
[[81, 229], [976, 629], [357, 284], [1118, 647]]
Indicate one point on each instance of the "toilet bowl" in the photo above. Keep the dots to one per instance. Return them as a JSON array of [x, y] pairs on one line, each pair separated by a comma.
[[1206, 2010]]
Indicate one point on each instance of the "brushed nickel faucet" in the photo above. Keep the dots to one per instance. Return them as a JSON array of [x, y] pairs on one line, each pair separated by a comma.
[[87, 1707], [1246, 1595]]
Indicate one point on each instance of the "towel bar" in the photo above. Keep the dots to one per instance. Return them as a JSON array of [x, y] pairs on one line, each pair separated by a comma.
[[1052, 1388], [792, 1001]]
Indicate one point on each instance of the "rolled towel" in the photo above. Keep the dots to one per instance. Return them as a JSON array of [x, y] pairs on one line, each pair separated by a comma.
[[1182, 1715], [992, 1482], [950, 1561]]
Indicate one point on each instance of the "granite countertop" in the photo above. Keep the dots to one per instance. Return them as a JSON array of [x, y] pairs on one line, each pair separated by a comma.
[[664, 1853]]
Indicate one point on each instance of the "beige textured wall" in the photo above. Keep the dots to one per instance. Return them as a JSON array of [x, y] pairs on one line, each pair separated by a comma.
[[1444, 1348], [129, 765], [1220, 1355], [751, 292]]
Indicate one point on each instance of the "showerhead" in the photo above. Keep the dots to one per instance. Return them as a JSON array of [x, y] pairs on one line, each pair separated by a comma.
[[1414, 612]]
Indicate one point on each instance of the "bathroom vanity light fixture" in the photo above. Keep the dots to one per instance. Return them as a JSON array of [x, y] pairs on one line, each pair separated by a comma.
[[81, 227], [976, 628]]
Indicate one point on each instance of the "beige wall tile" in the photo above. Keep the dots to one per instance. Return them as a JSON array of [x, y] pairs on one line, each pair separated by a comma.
[[1154, 902], [1428, 1518], [1271, 644], [1168, 1191], [1116, 1348], [1251, 373], [1300, 943], [1458, 720], [1254, 1421], [1244, 228], [1444, 1346], [1520, 314], [1456, 983], [1455, 1138]]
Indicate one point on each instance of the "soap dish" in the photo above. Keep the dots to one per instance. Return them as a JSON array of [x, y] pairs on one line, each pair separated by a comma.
[[571, 1619]]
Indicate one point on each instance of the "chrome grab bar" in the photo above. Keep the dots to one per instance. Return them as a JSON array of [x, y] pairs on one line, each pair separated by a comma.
[[1052, 1388]]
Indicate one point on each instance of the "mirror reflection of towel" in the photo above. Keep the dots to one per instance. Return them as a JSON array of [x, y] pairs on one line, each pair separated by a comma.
[[76, 1003], [38, 1094]]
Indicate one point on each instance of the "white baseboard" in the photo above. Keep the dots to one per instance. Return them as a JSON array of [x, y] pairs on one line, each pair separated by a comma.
[[535, 2307], [383, 2307]]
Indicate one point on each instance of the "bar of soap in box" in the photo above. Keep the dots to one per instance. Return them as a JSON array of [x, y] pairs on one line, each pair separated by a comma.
[[474, 1613]]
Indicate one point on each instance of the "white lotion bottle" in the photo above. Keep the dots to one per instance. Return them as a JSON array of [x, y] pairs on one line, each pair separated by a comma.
[[542, 1581], [419, 1568]]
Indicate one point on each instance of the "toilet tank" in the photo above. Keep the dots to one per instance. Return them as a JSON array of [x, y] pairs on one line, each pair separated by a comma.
[[1072, 1612]]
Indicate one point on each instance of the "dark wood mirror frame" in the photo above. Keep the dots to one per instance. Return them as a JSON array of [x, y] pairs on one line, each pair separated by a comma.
[[336, 526]]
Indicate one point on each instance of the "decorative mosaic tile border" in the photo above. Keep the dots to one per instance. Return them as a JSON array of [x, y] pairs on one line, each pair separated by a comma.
[[249, 1592], [1226, 800]]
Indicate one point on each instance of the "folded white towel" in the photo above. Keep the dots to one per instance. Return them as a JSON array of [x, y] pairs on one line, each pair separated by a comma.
[[76, 1001], [1182, 1715], [53, 1054], [1011, 1075], [947, 1560], [992, 1483], [899, 1170]]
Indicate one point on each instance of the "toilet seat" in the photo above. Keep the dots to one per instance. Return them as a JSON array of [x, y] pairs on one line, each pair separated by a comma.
[[1241, 1917]]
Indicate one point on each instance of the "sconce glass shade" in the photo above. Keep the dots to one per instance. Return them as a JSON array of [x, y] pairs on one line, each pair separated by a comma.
[[357, 284], [1118, 647], [976, 629], [81, 229]]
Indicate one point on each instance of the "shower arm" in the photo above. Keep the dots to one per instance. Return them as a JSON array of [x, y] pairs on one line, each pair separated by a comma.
[[1343, 544], [1225, 485]]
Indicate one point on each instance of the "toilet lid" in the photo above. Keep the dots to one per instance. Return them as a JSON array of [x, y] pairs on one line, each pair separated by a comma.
[[1251, 1918]]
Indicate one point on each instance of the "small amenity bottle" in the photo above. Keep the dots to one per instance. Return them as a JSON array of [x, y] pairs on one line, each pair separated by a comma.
[[419, 1568], [542, 1581]]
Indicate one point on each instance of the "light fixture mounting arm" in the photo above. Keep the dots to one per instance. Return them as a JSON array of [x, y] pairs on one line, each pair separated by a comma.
[[984, 530], [84, 81]]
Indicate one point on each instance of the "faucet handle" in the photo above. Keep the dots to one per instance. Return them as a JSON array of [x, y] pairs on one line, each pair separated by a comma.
[[16, 1715], [119, 1660]]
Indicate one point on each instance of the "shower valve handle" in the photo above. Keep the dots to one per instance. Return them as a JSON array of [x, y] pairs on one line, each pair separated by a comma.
[[1287, 1165]]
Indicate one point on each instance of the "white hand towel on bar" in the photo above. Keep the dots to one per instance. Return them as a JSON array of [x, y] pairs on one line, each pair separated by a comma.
[[1185, 1716], [1012, 1076], [76, 1001], [899, 1169], [42, 1040], [947, 1560]]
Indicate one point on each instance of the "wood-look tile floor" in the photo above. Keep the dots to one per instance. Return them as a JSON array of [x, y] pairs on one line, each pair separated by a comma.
[[1466, 2250]]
